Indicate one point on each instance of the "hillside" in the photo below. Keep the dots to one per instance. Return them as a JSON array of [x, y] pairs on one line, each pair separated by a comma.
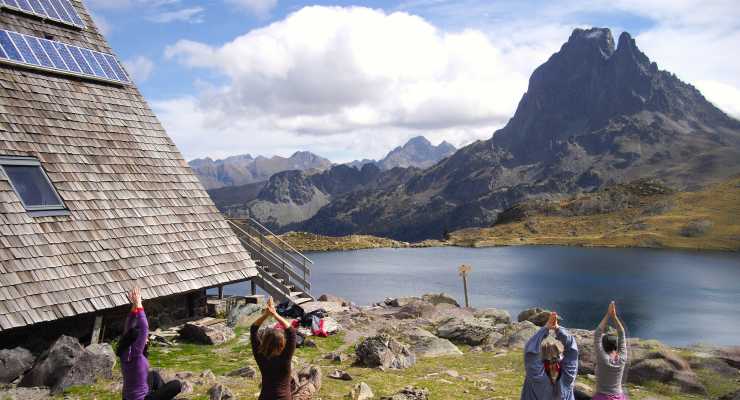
[[594, 114], [640, 214]]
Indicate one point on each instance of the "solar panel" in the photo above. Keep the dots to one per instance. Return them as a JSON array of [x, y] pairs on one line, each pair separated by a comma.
[[56, 10], [38, 53]]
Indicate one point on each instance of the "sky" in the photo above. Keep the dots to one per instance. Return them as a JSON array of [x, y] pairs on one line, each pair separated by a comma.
[[351, 80]]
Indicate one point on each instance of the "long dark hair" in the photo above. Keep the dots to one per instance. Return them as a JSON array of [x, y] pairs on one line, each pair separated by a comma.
[[272, 343]]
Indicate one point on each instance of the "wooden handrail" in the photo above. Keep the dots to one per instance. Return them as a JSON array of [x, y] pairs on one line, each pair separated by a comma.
[[274, 235]]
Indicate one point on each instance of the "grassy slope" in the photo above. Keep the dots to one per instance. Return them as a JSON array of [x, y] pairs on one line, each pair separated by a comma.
[[485, 375], [719, 204]]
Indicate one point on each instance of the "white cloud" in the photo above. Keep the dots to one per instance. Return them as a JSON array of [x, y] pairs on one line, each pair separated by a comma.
[[104, 27], [122, 4], [140, 68], [192, 15], [334, 71], [260, 8]]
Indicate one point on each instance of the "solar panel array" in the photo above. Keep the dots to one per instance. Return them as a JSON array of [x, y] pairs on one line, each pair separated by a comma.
[[57, 10], [17, 48]]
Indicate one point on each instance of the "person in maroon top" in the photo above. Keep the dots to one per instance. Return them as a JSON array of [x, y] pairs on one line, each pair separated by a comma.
[[273, 350]]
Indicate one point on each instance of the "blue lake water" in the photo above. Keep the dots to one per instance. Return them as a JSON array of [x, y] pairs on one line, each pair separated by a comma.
[[677, 297]]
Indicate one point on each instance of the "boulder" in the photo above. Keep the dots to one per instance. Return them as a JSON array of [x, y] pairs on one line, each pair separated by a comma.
[[418, 309], [440, 298], [361, 391], [651, 361], [384, 351], [67, 364], [495, 315], [341, 375], [731, 355], [537, 316], [207, 331], [471, 331], [516, 335], [244, 315], [731, 396], [432, 346], [401, 301], [14, 363], [409, 393], [336, 356], [334, 299], [220, 392], [246, 372]]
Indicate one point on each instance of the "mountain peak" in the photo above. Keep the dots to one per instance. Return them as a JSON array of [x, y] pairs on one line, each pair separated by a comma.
[[418, 140], [585, 41]]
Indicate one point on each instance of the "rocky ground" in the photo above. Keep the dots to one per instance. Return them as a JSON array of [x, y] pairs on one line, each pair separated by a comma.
[[401, 349]]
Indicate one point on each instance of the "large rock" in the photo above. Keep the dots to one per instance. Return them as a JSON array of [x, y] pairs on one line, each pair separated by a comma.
[[440, 298], [220, 392], [14, 363], [516, 335], [361, 391], [651, 361], [425, 344], [409, 393], [384, 351], [731, 396], [400, 301], [731, 355], [495, 315], [67, 364], [471, 331], [207, 331], [244, 315], [333, 299], [418, 309], [537, 316]]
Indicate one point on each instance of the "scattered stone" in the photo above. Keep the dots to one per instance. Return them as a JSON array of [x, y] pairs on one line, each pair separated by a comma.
[[440, 298], [66, 363], [220, 392], [409, 393], [452, 373], [384, 351], [471, 331], [14, 363], [418, 309], [361, 391], [424, 344], [731, 396], [208, 330], [400, 302], [246, 372], [208, 375], [341, 375], [336, 356], [495, 315]]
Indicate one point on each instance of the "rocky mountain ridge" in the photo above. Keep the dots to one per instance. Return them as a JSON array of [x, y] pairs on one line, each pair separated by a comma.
[[594, 114]]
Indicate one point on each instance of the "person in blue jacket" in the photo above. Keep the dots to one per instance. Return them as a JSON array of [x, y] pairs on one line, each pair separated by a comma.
[[551, 363]]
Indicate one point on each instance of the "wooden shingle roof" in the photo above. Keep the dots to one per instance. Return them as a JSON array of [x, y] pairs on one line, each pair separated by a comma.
[[138, 215]]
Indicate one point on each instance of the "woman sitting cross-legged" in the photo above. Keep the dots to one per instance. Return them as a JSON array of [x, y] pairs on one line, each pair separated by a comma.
[[273, 350], [611, 358], [138, 382], [551, 364]]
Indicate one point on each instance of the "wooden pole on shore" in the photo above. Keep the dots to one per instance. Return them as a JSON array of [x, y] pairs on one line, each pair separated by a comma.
[[464, 270]]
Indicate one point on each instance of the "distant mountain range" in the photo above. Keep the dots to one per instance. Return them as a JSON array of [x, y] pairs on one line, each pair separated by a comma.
[[418, 152], [244, 169]]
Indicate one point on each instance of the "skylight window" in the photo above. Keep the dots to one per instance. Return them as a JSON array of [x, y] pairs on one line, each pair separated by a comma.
[[32, 186]]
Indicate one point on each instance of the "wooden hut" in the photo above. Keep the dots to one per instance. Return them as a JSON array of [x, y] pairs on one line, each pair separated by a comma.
[[94, 196]]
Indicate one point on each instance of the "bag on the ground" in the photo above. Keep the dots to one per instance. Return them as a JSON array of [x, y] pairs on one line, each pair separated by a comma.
[[290, 310]]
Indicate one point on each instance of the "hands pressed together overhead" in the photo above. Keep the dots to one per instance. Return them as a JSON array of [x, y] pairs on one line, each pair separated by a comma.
[[134, 297]]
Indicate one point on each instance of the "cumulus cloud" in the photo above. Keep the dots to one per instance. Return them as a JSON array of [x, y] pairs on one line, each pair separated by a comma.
[[140, 68], [102, 23], [260, 8], [332, 70]]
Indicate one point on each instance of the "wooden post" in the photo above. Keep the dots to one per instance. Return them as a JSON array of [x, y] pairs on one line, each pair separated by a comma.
[[254, 286], [464, 270], [221, 292], [97, 326]]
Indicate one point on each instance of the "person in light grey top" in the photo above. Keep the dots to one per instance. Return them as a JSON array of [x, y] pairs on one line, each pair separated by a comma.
[[611, 358]]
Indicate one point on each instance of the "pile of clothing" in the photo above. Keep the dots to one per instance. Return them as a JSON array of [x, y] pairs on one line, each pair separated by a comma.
[[314, 323]]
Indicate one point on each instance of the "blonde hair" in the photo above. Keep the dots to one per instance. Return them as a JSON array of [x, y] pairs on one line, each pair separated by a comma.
[[272, 343], [551, 349]]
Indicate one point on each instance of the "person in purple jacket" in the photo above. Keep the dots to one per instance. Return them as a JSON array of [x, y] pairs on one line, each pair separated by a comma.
[[138, 382]]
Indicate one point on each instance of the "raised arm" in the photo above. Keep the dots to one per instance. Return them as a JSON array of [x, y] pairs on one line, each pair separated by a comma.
[[569, 366], [138, 322], [599, 334], [532, 359], [622, 337]]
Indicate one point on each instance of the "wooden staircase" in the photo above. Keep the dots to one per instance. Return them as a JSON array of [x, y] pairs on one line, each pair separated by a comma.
[[284, 272]]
